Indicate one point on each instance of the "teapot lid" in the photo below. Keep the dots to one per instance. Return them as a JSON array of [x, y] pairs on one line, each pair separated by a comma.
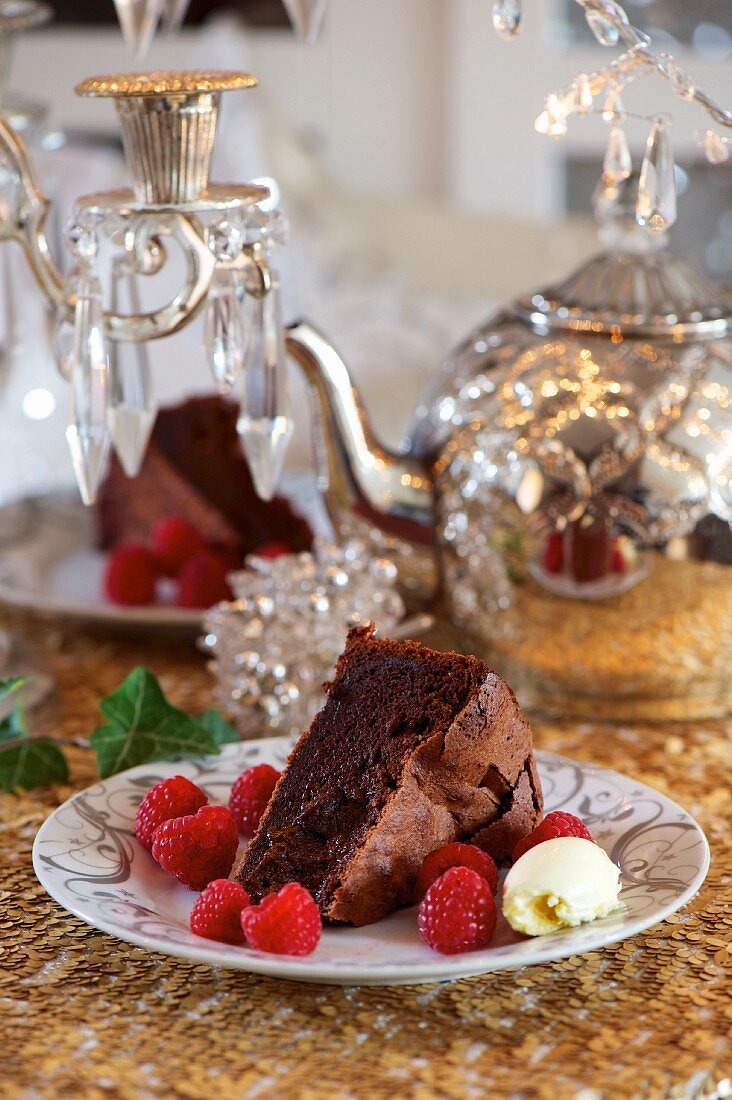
[[635, 288]]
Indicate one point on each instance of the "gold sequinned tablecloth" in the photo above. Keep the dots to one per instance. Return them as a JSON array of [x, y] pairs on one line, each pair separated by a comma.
[[84, 1015]]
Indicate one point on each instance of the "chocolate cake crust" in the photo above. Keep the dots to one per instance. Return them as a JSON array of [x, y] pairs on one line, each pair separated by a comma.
[[413, 749]]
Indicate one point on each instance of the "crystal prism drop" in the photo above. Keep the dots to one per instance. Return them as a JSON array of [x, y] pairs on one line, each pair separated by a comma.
[[716, 149], [683, 84], [174, 14], [603, 28], [87, 434], [656, 203], [541, 123], [139, 20], [81, 235], [507, 18], [132, 408], [583, 93], [223, 332], [264, 423], [617, 165], [553, 120], [81, 308], [612, 108], [130, 428], [306, 17], [64, 340]]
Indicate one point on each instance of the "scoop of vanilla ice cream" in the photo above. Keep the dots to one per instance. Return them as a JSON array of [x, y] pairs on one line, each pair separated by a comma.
[[559, 884]]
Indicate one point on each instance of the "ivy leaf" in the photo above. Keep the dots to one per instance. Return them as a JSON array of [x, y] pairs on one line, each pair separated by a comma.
[[219, 729], [32, 763], [143, 726], [10, 685], [12, 725]]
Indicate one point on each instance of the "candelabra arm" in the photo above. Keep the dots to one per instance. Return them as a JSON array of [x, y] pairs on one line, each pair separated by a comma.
[[187, 303], [25, 221], [254, 264]]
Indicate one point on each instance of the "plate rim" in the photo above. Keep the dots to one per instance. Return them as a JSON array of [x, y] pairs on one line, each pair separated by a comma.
[[290, 968], [162, 615]]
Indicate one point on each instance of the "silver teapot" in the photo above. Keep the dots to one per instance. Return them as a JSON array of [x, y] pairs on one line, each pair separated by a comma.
[[566, 487]]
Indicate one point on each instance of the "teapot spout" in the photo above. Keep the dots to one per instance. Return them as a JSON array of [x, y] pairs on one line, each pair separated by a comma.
[[358, 477]]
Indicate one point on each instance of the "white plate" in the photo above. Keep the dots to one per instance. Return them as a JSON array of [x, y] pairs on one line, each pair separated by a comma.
[[614, 584], [86, 857], [49, 563]]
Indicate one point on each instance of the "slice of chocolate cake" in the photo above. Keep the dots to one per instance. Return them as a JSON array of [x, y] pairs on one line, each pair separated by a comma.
[[195, 468], [412, 750]]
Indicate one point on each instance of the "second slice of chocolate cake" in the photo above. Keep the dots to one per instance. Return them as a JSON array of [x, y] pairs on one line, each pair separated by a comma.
[[412, 750]]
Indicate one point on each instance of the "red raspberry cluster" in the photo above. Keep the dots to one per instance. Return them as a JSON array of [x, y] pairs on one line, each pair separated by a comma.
[[176, 797], [178, 551], [458, 910], [285, 923], [250, 796], [459, 882], [457, 855], [554, 825], [197, 844]]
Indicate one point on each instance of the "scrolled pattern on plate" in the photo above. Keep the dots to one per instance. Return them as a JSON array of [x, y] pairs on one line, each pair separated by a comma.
[[86, 856]]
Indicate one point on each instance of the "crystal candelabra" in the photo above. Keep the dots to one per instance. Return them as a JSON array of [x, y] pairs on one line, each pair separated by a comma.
[[600, 92], [140, 19], [227, 235]]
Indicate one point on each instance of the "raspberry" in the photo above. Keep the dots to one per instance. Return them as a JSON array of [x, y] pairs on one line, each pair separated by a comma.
[[272, 550], [130, 575], [553, 554], [618, 562], [554, 825], [174, 542], [458, 912], [174, 797], [456, 855], [197, 848], [217, 912], [287, 923], [250, 796], [202, 581]]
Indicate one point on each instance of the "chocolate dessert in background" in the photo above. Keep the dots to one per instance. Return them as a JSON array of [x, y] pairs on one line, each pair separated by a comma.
[[195, 468], [590, 549], [413, 749]]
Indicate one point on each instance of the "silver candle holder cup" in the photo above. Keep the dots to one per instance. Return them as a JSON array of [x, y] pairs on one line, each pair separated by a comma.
[[168, 123]]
